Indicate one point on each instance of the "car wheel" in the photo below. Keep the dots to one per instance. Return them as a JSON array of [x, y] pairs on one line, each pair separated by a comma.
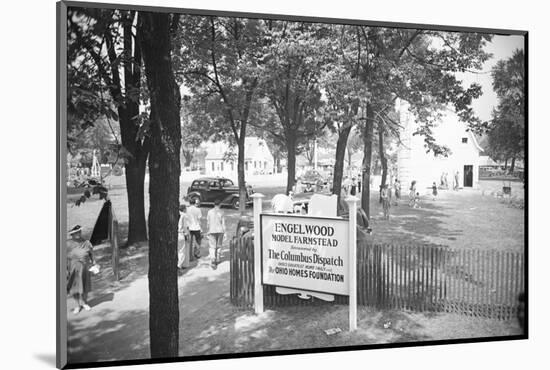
[[235, 203]]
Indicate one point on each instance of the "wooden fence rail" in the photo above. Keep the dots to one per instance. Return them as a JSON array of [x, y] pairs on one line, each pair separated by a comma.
[[473, 282]]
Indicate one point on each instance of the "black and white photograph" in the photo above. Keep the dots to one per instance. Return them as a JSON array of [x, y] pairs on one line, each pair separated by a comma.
[[241, 184]]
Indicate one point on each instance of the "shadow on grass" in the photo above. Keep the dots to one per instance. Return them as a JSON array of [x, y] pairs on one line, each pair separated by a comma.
[[101, 299], [409, 225], [113, 336]]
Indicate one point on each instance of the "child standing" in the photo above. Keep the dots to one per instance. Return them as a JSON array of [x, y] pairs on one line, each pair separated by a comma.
[[416, 203], [216, 231], [434, 190]]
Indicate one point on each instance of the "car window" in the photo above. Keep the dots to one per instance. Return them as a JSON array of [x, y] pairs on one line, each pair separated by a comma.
[[199, 184], [213, 184], [227, 183]]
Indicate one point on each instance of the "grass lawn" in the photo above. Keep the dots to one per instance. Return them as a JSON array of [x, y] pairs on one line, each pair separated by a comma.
[[117, 326], [462, 219]]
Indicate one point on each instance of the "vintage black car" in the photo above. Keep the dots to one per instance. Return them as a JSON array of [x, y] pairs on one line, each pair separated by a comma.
[[208, 189]]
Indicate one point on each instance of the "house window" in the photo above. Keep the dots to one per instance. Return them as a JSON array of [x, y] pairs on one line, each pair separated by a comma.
[[464, 140], [221, 166], [246, 166], [213, 168], [254, 164], [232, 166]]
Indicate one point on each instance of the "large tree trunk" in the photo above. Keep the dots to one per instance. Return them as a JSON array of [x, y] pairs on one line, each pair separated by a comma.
[[135, 189], [164, 168], [188, 157], [513, 165], [277, 161], [367, 159], [135, 172], [310, 154], [127, 114], [291, 163], [241, 143], [240, 176], [341, 144], [383, 159]]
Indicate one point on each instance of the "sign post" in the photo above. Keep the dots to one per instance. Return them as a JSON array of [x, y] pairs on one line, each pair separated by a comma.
[[258, 290], [352, 205]]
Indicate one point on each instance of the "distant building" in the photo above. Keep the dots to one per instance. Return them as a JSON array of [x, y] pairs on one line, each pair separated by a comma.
[[413, 163], [221, 158]]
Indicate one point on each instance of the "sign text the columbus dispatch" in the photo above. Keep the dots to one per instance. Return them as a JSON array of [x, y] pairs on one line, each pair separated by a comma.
[[305, 253]]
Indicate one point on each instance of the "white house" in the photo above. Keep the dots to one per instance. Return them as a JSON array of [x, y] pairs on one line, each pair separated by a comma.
[[221, 158], [413, 163]]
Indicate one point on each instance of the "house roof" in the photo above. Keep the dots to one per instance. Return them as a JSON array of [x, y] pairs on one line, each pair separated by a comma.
[[475, 141], [255, 149]]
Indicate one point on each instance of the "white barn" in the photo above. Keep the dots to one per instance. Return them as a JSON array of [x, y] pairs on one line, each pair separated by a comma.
[[221, 158], [413, 163]]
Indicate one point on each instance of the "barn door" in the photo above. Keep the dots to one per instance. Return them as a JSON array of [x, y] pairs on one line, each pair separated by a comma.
[[468, 176]]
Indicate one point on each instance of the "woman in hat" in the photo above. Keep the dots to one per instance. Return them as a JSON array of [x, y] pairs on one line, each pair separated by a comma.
[[80, 259]]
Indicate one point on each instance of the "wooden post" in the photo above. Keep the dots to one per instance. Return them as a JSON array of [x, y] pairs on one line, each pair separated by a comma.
[[114, 243], [258, 289], [352, 205], [113, 237]]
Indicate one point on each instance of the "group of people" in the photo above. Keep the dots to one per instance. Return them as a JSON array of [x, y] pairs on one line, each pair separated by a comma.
[[80, 257], [414, 195], [444, 182], [190, 232], [387, 193]]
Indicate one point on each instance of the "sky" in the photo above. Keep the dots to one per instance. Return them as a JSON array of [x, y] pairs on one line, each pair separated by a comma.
[[502, 47]]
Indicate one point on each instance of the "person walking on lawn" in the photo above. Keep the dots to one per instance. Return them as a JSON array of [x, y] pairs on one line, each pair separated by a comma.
[[412, 193], [183, 238], [80, 259], [455, 183], [194, 217], [216, 230], [397, 190], [434, 190]]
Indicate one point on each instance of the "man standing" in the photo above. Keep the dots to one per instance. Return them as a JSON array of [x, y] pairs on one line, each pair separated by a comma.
[[353, 187], [216, 230], [194, 218], [455, 185]]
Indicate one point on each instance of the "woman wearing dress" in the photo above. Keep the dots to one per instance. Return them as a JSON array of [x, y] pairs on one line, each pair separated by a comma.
[[412, 193], [80, 259]]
